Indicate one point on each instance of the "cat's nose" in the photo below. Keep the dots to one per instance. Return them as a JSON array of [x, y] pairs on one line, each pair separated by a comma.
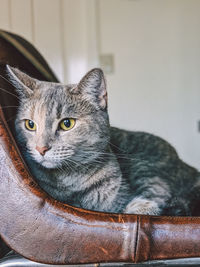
[[42, 150]]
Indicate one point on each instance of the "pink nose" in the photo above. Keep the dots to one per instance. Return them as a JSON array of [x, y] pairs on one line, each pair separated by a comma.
[[42, 150]]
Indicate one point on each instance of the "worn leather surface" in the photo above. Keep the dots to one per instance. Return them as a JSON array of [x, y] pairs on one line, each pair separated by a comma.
[[167, 238]]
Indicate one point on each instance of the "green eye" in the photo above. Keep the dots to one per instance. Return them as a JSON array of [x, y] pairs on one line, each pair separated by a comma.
[[67, 124], [30, 125]]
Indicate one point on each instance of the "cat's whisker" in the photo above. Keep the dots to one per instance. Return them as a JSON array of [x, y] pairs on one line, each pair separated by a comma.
[[78, 164], [69, 166], [5, 79], [60, 168], [119, 148], [103, 154], [94, 160], [61, 154], [9, 107], [121, 156], [11, 118], [6, 91]]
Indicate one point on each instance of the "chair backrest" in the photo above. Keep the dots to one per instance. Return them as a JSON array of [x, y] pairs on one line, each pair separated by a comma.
[[18, 52]]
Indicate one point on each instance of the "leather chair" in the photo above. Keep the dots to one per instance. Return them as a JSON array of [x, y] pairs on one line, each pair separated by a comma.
[[43, 230]]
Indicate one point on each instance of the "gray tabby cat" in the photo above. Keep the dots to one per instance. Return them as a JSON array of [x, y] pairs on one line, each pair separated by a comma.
[[64, 134]]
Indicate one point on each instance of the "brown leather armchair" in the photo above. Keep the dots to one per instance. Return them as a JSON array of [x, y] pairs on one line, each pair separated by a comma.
[[44, 230]]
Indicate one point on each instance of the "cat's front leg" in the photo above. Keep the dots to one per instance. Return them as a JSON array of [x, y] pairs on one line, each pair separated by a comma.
[[141, 205], [151, 196]]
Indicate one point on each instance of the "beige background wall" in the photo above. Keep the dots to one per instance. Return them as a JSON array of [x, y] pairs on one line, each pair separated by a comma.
[[156, 83], [63, 30], [155, 86]]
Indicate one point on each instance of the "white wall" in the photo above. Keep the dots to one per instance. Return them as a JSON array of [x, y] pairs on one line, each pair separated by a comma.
[[155, 43], [156, 83]]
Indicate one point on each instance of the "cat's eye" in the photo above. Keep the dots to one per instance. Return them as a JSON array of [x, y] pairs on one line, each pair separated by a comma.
[[30, 125], [67, 124]]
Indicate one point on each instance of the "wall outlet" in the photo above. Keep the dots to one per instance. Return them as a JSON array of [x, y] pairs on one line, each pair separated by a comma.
[[107, 63]]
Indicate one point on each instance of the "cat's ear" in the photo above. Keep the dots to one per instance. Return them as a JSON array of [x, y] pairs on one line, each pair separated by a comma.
[[23, 83], [93, 88]]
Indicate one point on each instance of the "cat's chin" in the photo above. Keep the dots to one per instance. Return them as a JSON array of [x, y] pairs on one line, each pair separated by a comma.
[[48, 164]]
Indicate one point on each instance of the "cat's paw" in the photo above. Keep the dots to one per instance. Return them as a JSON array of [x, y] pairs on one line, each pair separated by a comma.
[[142, 206]]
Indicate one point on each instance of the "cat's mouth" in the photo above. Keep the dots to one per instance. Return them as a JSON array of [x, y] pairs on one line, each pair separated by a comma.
[[51, 160], [47, 163]]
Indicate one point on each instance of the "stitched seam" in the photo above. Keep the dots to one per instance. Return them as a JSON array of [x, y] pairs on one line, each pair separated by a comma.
[[136, 239]]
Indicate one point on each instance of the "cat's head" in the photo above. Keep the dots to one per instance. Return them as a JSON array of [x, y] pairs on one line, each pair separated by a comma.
[[61, 124]]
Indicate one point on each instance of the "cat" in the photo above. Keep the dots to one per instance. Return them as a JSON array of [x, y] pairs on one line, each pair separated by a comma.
[[74, 154]]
